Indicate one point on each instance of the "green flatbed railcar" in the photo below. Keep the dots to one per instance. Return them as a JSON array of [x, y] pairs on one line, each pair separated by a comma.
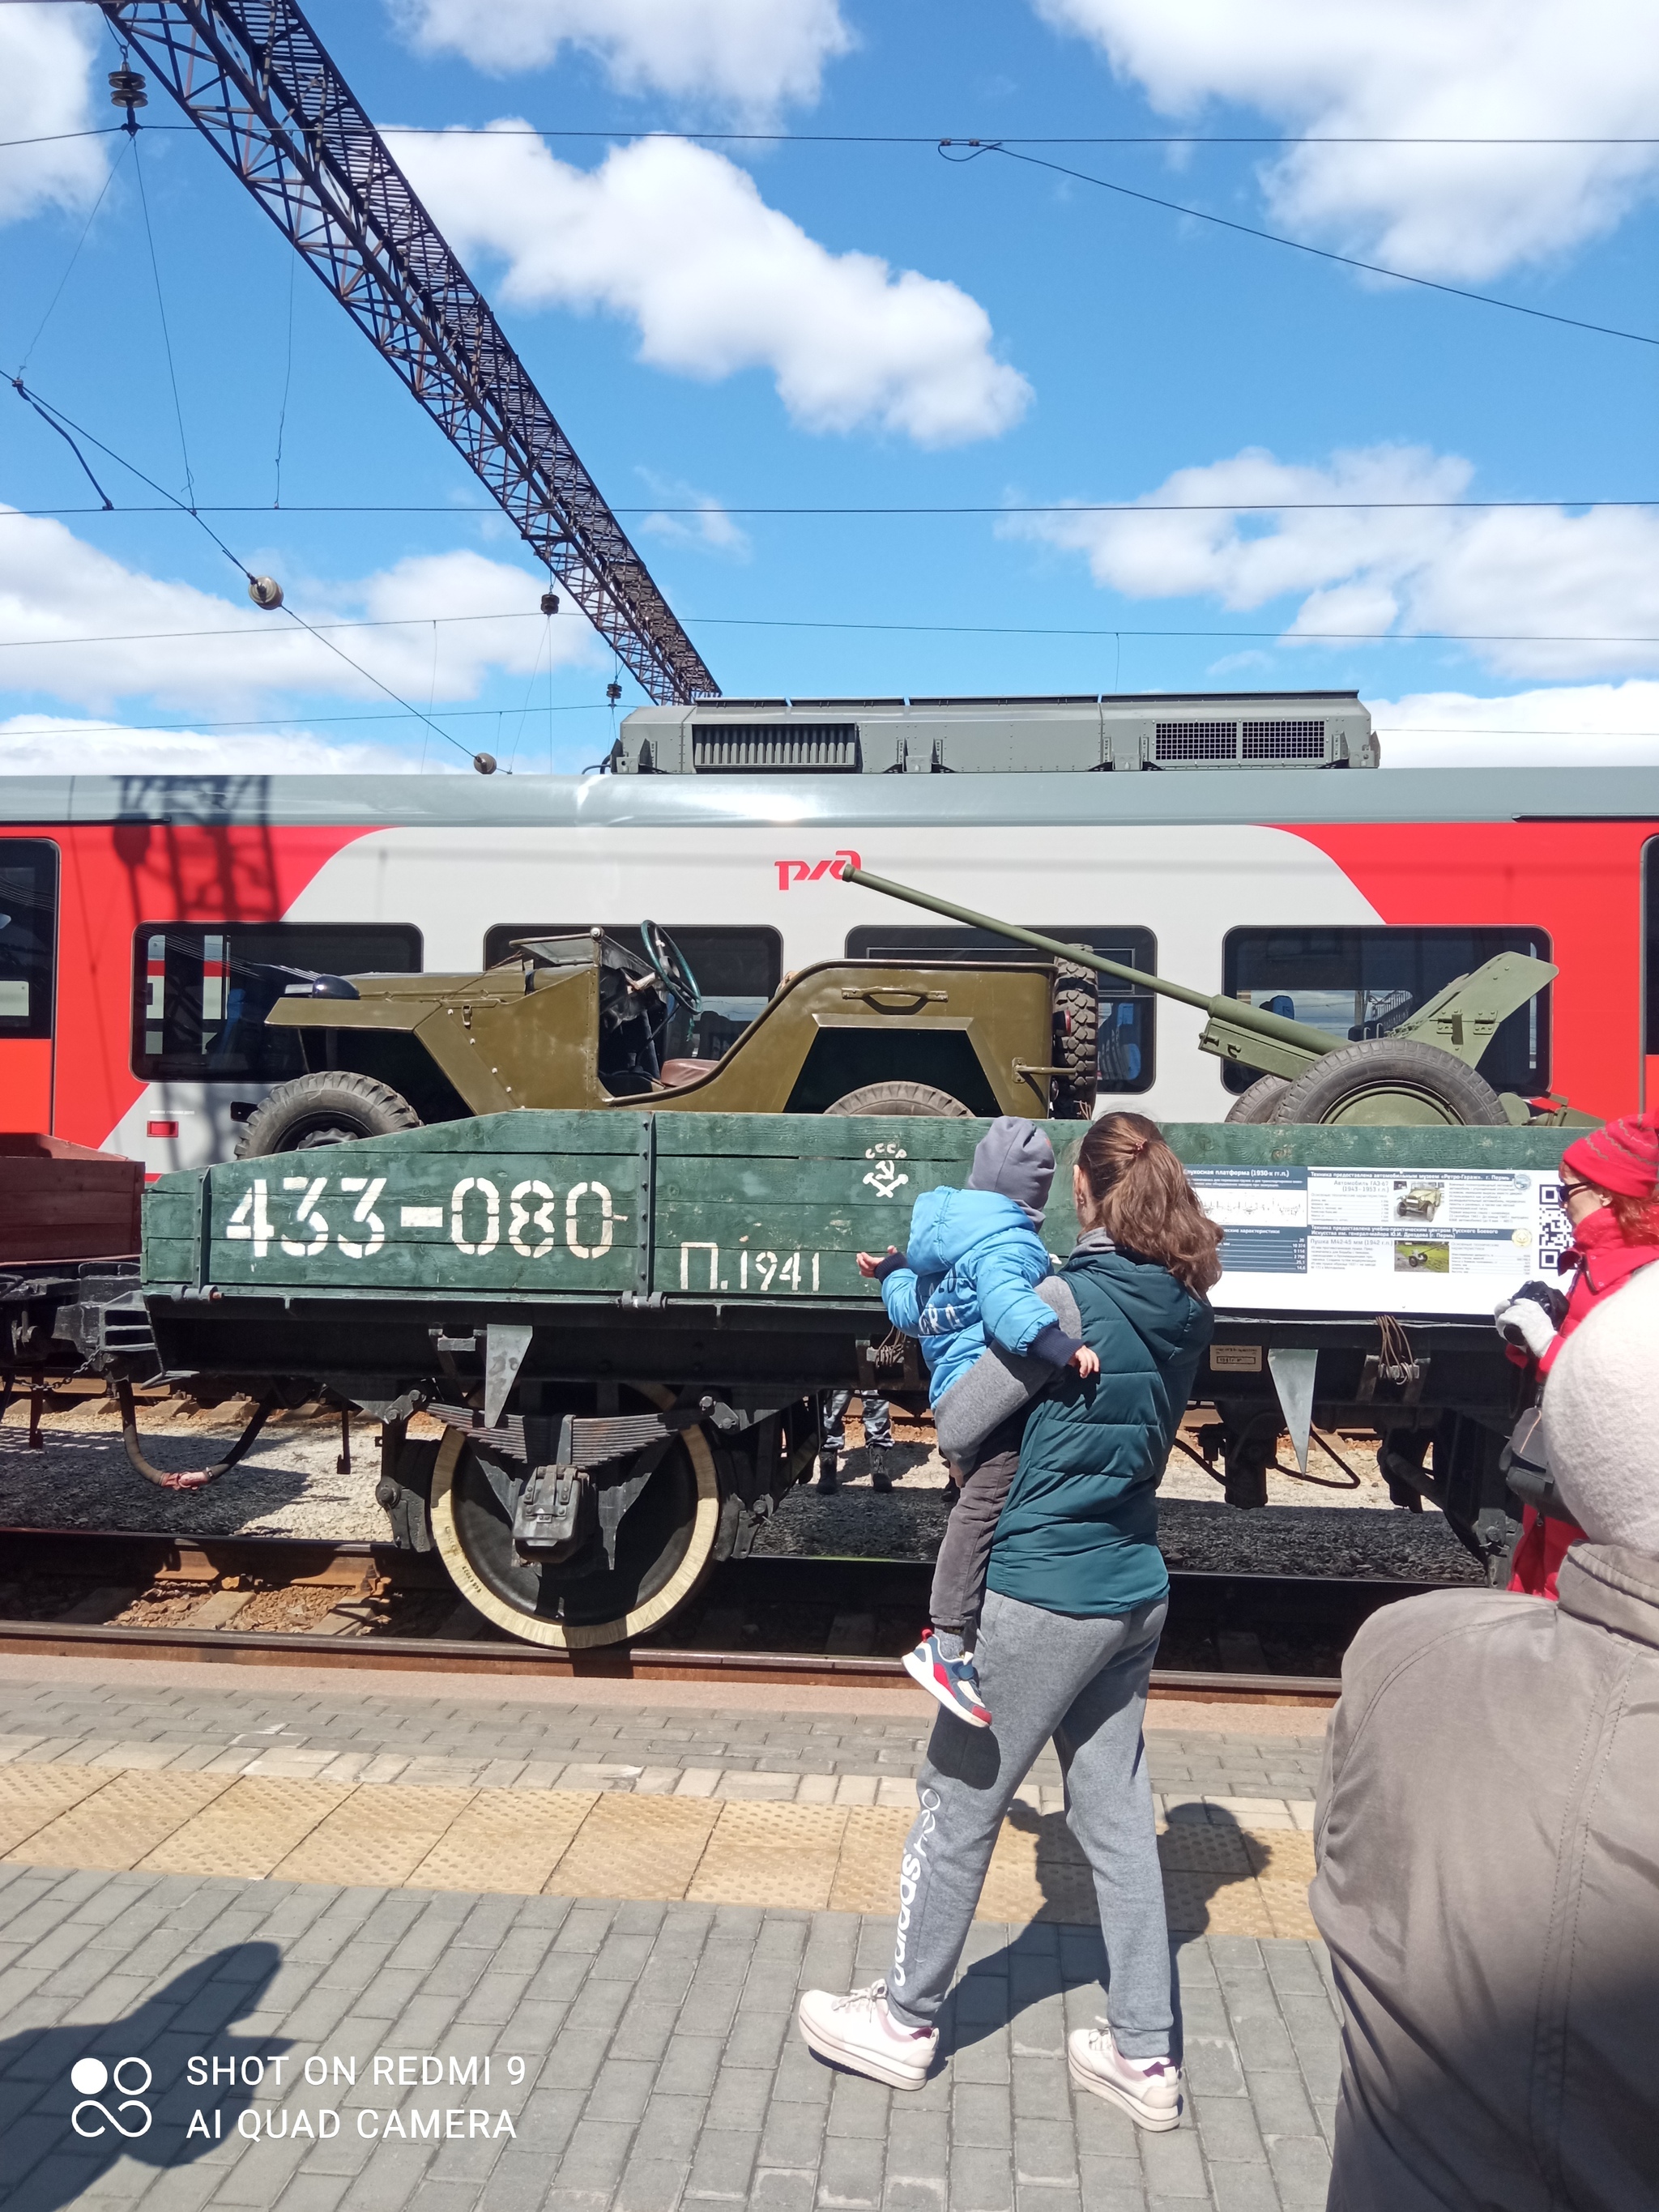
[[623, 1319]]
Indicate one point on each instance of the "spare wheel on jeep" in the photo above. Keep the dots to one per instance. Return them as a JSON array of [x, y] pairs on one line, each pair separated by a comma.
[[901, 1098], [331, 1107]]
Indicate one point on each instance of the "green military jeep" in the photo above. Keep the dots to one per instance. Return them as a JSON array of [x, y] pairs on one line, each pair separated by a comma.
[[585, 1021]]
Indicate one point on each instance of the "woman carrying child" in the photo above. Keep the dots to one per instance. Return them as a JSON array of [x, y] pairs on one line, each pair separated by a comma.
[[1076, 1597]]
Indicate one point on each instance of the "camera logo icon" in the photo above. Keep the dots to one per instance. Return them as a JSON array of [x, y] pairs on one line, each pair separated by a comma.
[[90, 2077]]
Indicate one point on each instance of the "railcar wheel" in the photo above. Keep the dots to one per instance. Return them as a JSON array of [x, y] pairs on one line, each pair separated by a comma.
[[1397, 1081], [665, 1546], [1259, 1102], [329, 1108], [903, 1098]]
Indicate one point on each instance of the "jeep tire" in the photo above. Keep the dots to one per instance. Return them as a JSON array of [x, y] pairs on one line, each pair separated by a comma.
[[331, 1108], [1077, 1041], [903, 1098]]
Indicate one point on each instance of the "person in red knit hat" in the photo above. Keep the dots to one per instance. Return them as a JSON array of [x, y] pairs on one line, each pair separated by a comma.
[[1610, 1192]]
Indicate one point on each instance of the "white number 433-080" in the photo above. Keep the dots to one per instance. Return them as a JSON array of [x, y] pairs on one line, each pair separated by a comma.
[[474, 1219]]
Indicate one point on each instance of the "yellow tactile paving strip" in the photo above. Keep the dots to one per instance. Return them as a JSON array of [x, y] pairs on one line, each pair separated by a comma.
[[1220, 1877]]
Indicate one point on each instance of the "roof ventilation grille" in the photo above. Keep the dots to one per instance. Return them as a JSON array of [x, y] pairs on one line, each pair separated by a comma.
[[1197, 741], [776, 748], [1284, 741]]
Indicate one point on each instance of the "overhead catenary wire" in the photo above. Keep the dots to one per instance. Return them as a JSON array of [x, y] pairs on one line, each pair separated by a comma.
[[72, 723], [56, 416], [79, 243], [891, 138], [161, 311], [1130, 507], [942, 629], [972, 149]]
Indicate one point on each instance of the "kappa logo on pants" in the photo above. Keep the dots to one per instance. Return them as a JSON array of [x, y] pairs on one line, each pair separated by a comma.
[[912, 1867]]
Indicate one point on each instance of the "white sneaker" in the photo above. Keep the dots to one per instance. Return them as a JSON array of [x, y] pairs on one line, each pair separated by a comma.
[[858, 2031], [1148, 2090]]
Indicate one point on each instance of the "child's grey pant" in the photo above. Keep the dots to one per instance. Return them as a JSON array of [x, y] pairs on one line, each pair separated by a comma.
[[1082, 1680], [964, 1554]]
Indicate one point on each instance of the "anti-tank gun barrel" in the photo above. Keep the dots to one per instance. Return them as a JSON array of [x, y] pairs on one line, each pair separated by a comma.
[[1246, 1034]]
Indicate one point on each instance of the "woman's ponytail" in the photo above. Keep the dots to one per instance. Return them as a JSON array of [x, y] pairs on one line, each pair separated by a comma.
[[1141, 1198]]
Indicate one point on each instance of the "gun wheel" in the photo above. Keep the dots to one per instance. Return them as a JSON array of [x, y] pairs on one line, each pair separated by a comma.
[[1260, 1101], [665, 1546], [1391, 1081]]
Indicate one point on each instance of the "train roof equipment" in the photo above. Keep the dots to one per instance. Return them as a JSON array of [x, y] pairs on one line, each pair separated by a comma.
[[1087, 732]]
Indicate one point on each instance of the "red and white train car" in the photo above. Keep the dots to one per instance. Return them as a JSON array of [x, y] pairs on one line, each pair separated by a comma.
[[1236, 842]]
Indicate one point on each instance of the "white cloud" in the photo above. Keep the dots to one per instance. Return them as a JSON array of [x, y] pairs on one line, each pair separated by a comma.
[[679, 240], [1568, 726], [693, 518], [55, 586], [1518, 578], [42, 744], [45, 53], [1414, 68], [750, 55]]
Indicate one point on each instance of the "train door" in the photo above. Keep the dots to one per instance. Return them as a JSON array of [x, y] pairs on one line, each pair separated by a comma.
[[29, 977], [1651, 976]]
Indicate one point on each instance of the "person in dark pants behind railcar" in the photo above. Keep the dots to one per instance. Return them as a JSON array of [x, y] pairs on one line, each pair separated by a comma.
[[1076, 1597], [1487, 1836]]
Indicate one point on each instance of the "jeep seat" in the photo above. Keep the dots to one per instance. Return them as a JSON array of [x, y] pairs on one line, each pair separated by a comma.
[[674, 1073]]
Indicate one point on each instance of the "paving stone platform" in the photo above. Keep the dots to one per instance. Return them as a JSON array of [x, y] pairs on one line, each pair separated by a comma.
[[658, 2065], [624, 1897], [463, 1736]]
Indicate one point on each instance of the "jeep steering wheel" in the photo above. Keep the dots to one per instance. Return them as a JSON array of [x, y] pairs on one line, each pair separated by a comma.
[[674, 970]]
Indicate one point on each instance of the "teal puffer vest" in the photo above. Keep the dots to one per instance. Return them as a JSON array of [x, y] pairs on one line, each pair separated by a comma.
[[1079, 1534]]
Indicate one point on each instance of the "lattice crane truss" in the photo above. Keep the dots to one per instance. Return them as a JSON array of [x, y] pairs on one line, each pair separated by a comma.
[[255, 79]]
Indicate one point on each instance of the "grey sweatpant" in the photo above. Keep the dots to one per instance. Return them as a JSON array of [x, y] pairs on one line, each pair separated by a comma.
[[1082, 1680]]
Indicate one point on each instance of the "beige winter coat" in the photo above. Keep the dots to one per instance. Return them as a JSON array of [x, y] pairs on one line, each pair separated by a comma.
[[1488, 1845]]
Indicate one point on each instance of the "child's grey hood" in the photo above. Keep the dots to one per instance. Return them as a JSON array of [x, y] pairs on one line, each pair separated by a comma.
[[1015, 1158]]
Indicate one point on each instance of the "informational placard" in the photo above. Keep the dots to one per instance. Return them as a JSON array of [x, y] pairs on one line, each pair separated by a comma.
[[1424, 1240]]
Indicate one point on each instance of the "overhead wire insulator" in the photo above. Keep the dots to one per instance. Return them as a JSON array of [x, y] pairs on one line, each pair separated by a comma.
[[484, 763], [264, 591], [126, 89], [550, 603]]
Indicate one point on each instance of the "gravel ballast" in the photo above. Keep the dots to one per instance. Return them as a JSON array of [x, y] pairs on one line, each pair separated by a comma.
[[290, 1485]]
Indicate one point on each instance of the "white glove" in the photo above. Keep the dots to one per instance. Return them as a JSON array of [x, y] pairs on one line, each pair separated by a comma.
[[1525, 1319]]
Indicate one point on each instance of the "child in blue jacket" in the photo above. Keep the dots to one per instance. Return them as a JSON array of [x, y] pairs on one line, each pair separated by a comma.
[[968, 1280]]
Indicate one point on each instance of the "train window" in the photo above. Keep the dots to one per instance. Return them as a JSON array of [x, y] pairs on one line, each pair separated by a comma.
[[1364, 983], [737, 972], [1127, 1030], [28, 935], [201, 991]]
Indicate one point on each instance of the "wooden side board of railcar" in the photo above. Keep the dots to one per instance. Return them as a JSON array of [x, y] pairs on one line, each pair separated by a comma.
[[745, 1211]]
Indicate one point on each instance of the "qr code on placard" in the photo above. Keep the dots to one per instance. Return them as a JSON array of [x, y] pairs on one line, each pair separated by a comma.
[[1554, 1229]]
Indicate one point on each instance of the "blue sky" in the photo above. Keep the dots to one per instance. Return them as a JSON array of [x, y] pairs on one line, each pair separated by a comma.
[[723, 327]]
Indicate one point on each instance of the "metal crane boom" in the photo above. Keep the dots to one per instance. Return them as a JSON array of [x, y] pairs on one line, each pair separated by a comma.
[[254, 78]]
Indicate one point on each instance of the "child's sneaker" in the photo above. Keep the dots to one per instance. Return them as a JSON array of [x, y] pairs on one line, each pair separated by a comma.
[[859, 2033], [1148, 2090], [952, 1682]]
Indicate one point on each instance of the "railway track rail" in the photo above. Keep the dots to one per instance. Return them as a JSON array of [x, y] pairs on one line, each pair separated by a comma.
[[826, 1622]]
